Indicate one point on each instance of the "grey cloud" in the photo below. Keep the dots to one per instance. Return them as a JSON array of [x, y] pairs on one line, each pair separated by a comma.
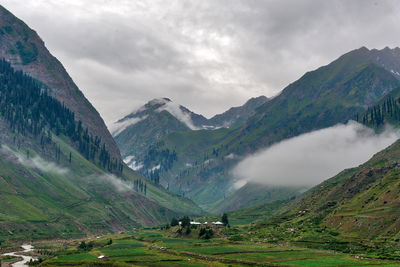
[[206, 55], [310, 158]]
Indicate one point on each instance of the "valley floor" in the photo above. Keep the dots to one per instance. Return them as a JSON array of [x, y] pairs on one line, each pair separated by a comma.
[[166, 248]]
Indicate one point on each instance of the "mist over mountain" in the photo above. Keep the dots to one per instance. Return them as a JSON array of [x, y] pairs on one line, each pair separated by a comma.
[[199, 163], [145, 126]]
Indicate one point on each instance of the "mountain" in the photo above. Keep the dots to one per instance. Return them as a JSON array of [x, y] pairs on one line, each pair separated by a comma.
[[56, 178], [238, 115], [137, 131], [331, 94], [23, 48], [355, 211]]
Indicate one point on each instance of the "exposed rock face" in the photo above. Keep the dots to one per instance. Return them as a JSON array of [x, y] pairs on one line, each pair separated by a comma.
[[24, 49]]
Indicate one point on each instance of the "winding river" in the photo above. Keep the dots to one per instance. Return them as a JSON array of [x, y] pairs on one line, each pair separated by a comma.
[[25, 259]]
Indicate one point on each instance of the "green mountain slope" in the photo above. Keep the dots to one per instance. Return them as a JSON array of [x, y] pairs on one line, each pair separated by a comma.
[[23, 48], [329, 95], [251, 195], [58, 180], [356, 210]]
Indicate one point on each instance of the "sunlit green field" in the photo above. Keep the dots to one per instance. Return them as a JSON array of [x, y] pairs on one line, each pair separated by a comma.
[[162, 248]]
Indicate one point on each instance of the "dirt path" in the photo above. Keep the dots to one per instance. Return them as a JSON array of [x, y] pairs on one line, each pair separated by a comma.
[[218, 232]]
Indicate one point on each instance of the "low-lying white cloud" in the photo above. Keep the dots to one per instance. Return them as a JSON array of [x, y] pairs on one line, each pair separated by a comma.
[[119, 126], [35, 162], [120, 185], [311, 158]]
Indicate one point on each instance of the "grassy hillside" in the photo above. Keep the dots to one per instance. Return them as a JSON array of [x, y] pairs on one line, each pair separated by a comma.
[[251, 195], [357, 210], [62, 199]]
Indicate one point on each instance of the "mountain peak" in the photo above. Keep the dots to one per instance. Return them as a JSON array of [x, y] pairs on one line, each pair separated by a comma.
[[158, 101]]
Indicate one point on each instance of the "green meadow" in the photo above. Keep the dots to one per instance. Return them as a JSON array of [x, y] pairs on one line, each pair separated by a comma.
[[154, 247]]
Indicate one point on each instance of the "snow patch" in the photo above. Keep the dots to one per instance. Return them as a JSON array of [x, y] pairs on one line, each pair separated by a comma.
[[132, 163], [395, 72], [208, 161], [135, 165], [128, 159], [156, 168]]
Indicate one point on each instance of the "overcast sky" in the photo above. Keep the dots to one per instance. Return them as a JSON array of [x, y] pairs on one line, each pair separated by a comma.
[[207, 55]]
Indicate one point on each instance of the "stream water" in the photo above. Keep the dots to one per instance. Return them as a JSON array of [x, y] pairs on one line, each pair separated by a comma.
[[25, 259]]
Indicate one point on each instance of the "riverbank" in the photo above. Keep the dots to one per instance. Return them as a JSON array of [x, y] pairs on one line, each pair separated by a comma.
[[21, 255]]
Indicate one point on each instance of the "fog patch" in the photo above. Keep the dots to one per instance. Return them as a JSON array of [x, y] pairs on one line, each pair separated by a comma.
[[176, 111], [117, 183], [35, 162], [311, 158], [119, 126]]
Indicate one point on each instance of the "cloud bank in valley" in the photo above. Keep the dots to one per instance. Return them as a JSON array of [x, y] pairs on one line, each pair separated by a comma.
[[311, 158]]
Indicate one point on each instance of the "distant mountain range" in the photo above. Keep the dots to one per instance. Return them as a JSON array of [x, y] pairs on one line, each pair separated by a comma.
[[197, 163], [137, 131]]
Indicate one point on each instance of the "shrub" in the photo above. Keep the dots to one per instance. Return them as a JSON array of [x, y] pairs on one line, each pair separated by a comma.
[[174, 222]]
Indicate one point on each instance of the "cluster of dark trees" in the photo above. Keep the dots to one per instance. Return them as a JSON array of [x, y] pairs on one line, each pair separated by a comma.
[[206, 233], [86, 246], [164, 157], [377, 115], [30, 110], [140, 186], [90, 245]]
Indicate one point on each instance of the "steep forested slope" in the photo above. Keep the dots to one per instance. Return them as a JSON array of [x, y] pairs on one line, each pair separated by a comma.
[[23, 48]]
